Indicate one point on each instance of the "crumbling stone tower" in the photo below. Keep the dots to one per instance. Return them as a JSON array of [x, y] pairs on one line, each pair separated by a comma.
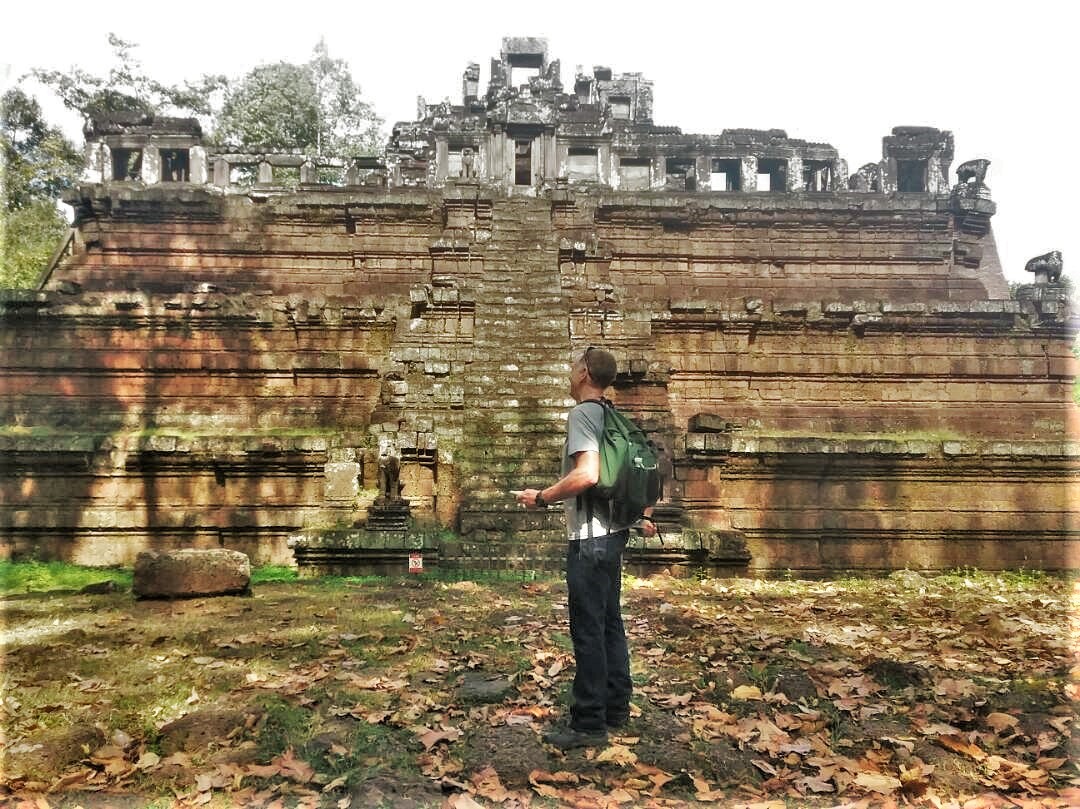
[[832, 360]]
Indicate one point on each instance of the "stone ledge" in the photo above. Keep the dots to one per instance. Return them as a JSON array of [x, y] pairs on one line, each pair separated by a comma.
[[205, 307], [361, 539], [703, 444]]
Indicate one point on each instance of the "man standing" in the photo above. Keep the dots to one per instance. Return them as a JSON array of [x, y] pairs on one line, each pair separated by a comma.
[[602, 685]]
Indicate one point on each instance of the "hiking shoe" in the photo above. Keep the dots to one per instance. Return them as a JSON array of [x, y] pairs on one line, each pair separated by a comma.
[[567, 738]]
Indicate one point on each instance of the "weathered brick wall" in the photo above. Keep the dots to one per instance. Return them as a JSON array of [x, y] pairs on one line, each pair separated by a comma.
[[219, 369], [904, 377], [140, 362]]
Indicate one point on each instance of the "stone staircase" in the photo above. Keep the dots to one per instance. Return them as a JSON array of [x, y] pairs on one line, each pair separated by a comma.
[[516, 392]]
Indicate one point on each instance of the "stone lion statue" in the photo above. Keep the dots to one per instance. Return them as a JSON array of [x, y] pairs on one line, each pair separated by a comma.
[[973, 170], [1048, 266]]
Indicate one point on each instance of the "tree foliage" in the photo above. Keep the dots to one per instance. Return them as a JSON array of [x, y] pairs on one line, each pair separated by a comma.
[[127, 88], [28, 238], [313, 106], [39, 163]]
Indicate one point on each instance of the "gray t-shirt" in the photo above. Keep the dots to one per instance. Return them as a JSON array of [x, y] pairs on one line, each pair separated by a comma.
[[584, 431]]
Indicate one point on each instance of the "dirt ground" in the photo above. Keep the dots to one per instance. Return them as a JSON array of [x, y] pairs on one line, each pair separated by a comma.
[[953, 691]]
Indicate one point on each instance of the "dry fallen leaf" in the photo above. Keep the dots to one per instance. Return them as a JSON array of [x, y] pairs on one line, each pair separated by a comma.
[[958, 744], [561, 777], [462, 801], [488, 785], [147, 760], [815, 784], [430, 738], [1051, 764], [1001, 721], [293, 768], [618, 754], [70, 780], [764, 766], [746, 692], [877, 782], [674, 700]]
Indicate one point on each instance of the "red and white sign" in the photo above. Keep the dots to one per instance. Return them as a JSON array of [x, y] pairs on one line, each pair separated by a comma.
[[416, 562]]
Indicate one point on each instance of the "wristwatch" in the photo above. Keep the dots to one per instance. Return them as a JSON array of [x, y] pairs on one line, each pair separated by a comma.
[[540, 503]]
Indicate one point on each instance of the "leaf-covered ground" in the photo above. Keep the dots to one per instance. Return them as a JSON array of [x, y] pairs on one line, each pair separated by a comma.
[[955, 691]]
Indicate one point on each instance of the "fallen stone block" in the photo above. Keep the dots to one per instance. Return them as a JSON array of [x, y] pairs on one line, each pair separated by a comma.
[[190, 572]]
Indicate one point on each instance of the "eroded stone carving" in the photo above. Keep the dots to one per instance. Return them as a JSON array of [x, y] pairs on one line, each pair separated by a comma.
[[390, 486], [1047, 267], [468, 168], [973, 170], [972, 179]]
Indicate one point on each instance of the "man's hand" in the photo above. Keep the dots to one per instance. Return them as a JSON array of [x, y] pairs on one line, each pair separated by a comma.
[[527, 497], [648, 527]]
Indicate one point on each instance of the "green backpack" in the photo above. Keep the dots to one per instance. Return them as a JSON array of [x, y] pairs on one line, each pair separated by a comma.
[[630, 478]]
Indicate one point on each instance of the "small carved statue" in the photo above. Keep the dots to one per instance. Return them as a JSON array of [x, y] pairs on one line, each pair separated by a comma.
[[972, 179], [468, 168], [973, 170], [1047, 267], [390, 485]]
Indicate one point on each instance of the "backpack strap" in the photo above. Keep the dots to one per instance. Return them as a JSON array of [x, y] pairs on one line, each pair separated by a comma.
[[603, 400], [584, 498]]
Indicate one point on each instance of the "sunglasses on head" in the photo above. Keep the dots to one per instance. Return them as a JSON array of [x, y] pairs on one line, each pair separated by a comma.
[[585, 356]]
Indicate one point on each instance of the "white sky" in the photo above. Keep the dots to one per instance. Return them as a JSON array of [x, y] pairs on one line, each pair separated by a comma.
[[1001, 76]]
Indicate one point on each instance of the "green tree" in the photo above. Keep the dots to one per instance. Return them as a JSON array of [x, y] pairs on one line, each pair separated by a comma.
[[39, 163], [315, 106], [127, 88]]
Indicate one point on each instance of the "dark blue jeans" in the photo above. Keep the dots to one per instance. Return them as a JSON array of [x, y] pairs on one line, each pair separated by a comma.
[[602, 683]]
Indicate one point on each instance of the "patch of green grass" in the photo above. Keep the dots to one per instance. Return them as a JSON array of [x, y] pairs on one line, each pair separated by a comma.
[[1029, 694], [972, 578], [139, 711], [802, 649], [341, 582], [36, 577], [763, 675], [273, 573], [372, 749], [834, 721], [1024, 577], [284, 725], [562, 641]]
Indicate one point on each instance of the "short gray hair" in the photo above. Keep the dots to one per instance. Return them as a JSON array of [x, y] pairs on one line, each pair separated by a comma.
[[601, 365]]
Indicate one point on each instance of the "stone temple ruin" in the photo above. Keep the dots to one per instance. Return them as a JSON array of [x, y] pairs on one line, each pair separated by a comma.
[[340, 361]]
